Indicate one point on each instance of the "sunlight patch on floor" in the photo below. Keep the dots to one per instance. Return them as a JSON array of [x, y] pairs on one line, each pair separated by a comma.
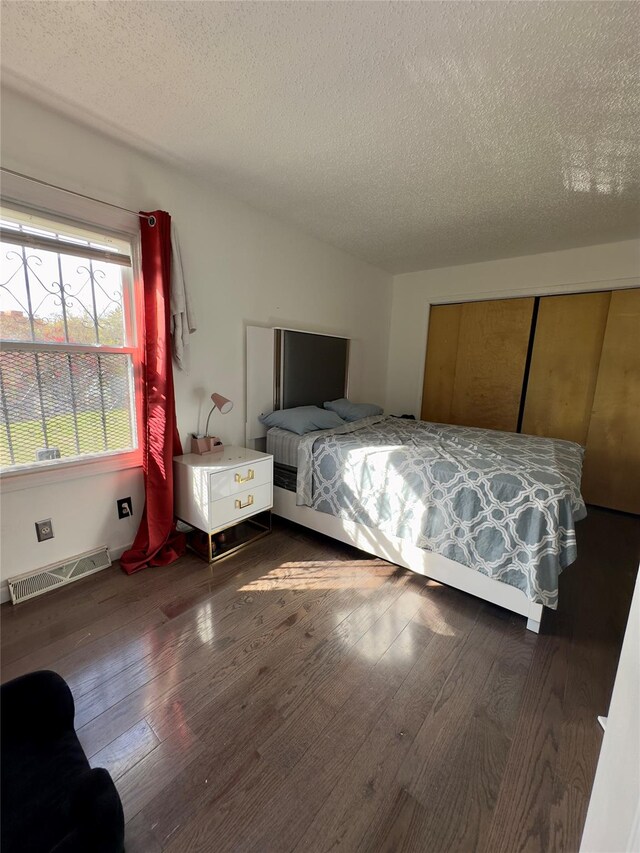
[[204, 624], [322, 574], [351, 574]]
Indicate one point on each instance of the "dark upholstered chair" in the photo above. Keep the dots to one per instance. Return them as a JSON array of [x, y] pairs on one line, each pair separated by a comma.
[[52, 801]]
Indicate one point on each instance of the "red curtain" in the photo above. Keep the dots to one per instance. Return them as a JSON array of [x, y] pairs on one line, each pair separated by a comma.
[[157, 542]]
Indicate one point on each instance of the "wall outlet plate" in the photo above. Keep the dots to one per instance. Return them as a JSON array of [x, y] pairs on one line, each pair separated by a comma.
[[125, 508], [44, 530]]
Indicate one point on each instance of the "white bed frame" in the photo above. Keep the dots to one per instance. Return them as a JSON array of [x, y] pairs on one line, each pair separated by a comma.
[[260, 385]]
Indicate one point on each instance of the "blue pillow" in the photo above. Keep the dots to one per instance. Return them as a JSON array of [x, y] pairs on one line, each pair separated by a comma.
[[353, 411], [302, 419]]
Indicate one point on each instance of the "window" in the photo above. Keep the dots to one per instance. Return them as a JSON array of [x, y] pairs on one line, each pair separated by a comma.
[[68, 349]]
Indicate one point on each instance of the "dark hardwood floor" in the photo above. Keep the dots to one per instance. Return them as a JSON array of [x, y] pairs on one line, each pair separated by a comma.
[[301, 696]]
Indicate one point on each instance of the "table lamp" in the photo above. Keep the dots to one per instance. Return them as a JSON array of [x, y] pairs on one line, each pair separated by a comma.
[[211, 443]]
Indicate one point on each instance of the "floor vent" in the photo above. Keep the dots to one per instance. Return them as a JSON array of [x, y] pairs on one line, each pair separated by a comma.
[[39, 581]]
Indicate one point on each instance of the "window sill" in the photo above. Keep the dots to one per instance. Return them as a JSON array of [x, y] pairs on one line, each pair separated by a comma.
[[57, 472]]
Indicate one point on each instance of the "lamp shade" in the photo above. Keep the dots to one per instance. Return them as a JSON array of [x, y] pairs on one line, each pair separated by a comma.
[[221, 403]]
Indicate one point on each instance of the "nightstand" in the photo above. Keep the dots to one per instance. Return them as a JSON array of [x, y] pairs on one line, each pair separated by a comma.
[[227, 496]]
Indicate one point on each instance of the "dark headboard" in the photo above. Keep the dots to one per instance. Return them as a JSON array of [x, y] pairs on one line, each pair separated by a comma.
[[313, 368], [287, 368]]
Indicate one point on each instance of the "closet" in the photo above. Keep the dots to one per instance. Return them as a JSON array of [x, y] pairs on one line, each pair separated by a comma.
[[559, 366], [460, 387]]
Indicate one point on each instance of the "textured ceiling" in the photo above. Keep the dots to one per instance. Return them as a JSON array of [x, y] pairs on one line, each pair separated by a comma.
[[413, 135]]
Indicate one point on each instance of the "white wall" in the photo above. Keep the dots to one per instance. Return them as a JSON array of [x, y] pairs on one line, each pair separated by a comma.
[[243, 267], [84, 516], [601, 267], [613, 818]]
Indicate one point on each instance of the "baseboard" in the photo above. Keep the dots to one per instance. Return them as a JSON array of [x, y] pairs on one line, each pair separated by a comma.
[[114, 553]]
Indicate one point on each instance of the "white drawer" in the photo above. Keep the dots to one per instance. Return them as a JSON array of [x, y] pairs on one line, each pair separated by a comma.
[[241, 505], [239, 479]]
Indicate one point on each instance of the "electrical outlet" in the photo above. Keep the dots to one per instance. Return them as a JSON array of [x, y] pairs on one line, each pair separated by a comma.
[[125, 508], [44, 530]]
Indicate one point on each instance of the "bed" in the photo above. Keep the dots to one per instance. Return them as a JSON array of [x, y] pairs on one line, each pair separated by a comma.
[[500, 504], [490, 513]]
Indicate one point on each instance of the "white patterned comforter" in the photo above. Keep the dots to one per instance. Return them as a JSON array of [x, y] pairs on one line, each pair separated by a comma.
[[501, 503]]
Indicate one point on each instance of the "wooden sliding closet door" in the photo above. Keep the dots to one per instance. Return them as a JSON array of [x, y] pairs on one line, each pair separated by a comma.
[[564, 365], [476, 356], [612, 462], [440, 365]]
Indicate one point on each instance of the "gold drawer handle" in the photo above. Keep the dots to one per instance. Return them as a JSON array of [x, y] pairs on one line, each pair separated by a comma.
[[250, 475], [240, 505]]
